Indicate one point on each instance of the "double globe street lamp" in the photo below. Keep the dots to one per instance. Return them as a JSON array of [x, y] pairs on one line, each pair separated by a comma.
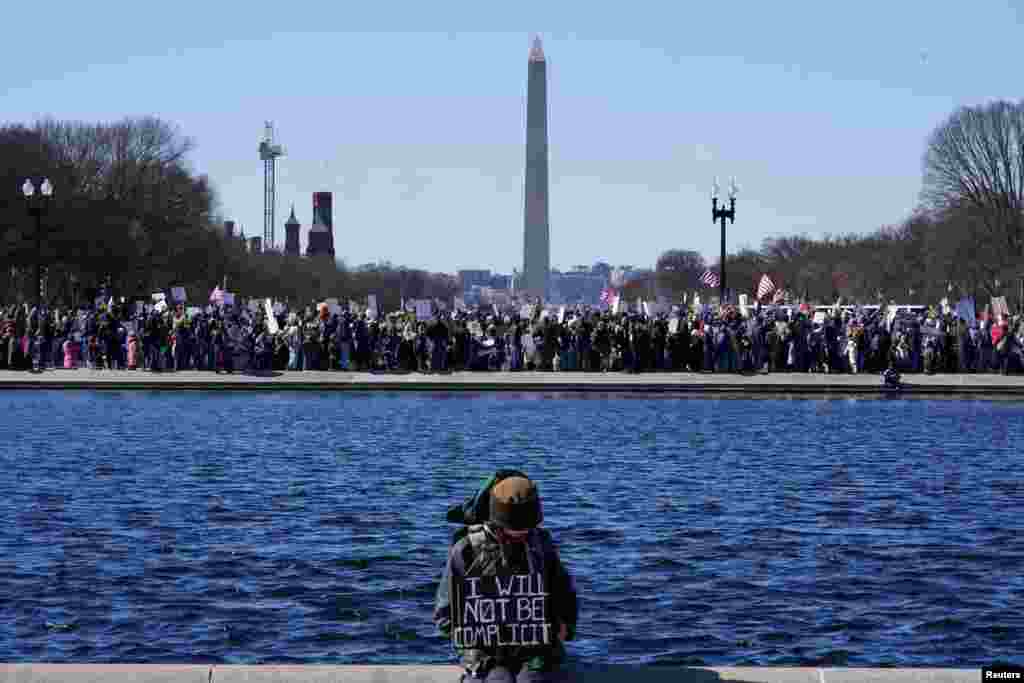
[[37, 203], [720, 215]]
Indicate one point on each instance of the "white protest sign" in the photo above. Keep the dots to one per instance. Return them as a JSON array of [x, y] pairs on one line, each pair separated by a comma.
[[673, 325], [371, 303], [480, 618], [819, 317], [158, 296], [423, 309], [178, 293]]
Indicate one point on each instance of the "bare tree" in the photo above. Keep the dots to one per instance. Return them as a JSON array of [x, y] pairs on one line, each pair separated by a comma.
[[975, 162]]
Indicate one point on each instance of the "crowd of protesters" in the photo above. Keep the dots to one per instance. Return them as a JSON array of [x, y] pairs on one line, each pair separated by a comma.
[[772, 339]]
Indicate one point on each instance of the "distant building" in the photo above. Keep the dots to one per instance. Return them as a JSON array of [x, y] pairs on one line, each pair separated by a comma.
[[291, 235], [578, 286], [474, 278], [321, 233]]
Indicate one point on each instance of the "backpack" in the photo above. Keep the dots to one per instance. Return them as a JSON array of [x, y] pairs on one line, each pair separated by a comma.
[[477, 508]]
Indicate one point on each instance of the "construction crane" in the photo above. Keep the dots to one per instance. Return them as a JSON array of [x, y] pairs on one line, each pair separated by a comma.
[[269, 152]]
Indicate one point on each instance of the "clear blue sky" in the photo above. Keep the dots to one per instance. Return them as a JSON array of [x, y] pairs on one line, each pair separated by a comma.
[[413, 113]]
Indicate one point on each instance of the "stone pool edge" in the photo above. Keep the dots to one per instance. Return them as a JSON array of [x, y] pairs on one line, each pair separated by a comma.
[[172, 673], [986, 386]]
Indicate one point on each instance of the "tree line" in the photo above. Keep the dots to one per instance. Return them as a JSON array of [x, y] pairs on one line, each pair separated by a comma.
[[965, 238], [130, 217]]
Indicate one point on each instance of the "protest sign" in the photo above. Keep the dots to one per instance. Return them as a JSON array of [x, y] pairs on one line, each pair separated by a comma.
[[673, 325], [529, 345], [158, 297], [178, 293], [965, 309], [561, 315], [501, 611], [371, 303], [424, 309], [819, 317], [272, 326]]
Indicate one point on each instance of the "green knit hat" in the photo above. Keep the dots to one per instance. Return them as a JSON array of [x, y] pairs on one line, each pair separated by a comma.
[[515, 504]]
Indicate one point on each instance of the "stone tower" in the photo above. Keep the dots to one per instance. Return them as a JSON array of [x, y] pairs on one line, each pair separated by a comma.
[[291, 235], [536, 235]]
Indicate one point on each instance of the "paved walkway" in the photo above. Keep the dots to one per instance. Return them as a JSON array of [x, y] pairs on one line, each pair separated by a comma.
[[171, 673], [988, 386]]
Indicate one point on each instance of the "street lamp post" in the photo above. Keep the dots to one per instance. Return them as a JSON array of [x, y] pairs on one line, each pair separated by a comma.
[[37, 203], [720, 215]]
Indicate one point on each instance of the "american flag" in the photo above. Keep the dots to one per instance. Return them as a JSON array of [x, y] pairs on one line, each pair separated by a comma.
[[607, 294], [765, 287], [710, 278]]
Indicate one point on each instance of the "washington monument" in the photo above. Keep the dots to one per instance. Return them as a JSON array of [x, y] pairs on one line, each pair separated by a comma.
[[536, 236]]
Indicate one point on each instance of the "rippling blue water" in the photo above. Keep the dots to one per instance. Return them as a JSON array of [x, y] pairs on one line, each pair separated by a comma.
[[250, 528]]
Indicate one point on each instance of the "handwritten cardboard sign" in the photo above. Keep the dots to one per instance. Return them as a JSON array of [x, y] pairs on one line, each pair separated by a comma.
[[501, 611]]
